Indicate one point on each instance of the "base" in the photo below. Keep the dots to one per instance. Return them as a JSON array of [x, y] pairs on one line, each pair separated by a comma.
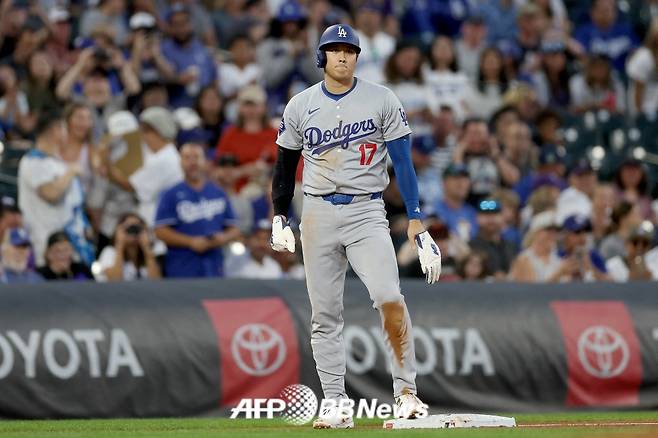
[[450, 421]]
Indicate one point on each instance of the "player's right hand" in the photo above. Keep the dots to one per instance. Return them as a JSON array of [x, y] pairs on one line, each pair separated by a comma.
[[282, 238]]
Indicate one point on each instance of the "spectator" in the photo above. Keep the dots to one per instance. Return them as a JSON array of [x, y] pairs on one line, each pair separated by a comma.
[[251, 141], [50, 193], [287, 57], [549, 128], [453, 210], [587, 262], [58, 45], [78, 149], [469, 46], [489, 239], [539, 262], [146, 58], [130, 257], [519, 149], [195, 220], [404, 77], [479, 151], [193, 63], [33, 35], [522, 50], [431, 154], [241, 69], [550, 169], [258, 262], [14, 108], [632, 184], [639, 262], [641, 70], [161, 168], [201, 22], [603, 202], [15, 255], [59, 260], [10, 215], [39, 85], [473, 267], [13, 15], [544, 197], [376, 45], [500, 16], [109, 14], [509, 204], [577, 198], [625, 218], [210, 108], [230, 20], [597, 88], [551, 80], [486, 94], [606, 34], [445, 84]]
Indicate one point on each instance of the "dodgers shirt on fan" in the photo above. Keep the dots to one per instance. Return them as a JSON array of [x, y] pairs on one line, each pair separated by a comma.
[[194, 213]]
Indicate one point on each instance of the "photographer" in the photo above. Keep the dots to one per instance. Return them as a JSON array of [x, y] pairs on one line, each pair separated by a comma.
[[146, 57], [59, 260], [130, 257], [584, 264]]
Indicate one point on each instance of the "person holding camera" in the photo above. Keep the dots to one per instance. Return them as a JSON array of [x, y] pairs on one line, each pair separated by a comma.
[[195, 220], [130, 257], [146, 58], [583, 263]]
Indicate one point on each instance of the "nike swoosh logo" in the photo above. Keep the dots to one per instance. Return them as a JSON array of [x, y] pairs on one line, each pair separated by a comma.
[[312, 111]]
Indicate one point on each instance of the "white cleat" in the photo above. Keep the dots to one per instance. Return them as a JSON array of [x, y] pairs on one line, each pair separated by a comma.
[[410, 406], [330, 418]]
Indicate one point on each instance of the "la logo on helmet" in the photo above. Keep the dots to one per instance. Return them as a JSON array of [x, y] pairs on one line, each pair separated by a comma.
[[341, 32]]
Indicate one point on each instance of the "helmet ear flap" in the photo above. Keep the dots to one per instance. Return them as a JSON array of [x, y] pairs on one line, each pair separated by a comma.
[[320, 58]]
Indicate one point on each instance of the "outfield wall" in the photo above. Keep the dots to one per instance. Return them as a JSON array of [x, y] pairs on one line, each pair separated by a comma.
[[175, 348]]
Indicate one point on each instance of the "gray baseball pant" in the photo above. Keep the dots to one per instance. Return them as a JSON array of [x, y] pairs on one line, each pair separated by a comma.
[[358, 232]]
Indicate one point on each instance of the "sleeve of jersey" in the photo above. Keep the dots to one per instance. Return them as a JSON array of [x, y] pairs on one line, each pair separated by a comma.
[[289, 136], [400, 152], [394, 119]]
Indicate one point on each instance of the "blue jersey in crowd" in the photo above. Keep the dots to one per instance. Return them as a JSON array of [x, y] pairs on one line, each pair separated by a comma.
[[461, 221], [194, 213]]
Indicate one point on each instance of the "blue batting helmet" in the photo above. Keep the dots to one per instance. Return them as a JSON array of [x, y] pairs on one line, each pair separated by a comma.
[[338, 33]]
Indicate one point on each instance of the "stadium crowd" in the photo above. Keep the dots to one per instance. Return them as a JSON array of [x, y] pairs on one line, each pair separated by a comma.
[[138, 137]]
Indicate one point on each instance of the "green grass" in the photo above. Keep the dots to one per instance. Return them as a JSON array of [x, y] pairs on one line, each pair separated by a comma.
[[224, 427]]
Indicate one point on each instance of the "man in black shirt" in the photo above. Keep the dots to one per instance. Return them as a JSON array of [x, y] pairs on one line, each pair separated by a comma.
[[500, 252]]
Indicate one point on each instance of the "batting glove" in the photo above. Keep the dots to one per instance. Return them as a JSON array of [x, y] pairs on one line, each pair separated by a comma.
[[282, 237], [429, 256]]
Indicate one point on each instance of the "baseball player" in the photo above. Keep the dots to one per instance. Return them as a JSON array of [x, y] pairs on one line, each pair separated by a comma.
[[345, 128]]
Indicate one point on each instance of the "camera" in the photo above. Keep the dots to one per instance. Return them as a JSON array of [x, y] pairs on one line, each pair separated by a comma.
[[101, 55], [134, 229]]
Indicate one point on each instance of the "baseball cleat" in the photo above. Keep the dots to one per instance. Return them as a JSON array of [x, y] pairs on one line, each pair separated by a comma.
[[329, 418], [410, 406]]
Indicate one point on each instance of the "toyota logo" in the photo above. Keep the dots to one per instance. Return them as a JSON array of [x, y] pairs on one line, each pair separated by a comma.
[[603, 352], [258, 349]]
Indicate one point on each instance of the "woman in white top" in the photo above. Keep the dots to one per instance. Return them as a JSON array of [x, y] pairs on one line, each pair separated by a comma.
[[447, 85], [131, 256], [485, 96], [643, 72], [540, 262], [404, 76], [597, 87]]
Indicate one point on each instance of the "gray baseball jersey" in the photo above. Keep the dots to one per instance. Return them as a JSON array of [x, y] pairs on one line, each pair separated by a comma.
[[342, 136]]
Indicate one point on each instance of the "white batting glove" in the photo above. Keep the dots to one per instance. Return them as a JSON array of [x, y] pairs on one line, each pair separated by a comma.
[[429, 256], [282, 237]]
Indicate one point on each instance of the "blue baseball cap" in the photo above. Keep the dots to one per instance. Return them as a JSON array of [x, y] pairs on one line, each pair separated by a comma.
[[488, 206], [19, 237], [576, 224]]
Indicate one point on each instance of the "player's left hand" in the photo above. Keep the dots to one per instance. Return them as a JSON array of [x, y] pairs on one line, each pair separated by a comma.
[[429, 256], [282, 236]]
